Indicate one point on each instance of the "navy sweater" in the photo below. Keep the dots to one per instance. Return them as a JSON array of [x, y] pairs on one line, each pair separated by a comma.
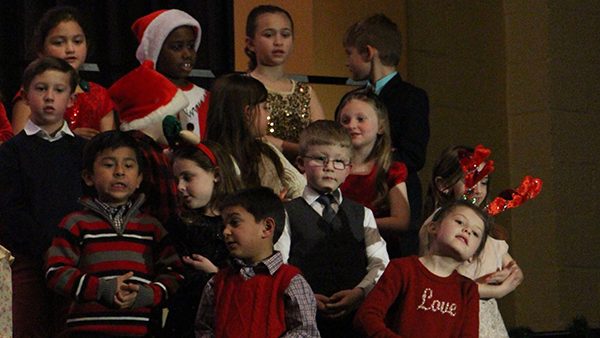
[[40, 183]]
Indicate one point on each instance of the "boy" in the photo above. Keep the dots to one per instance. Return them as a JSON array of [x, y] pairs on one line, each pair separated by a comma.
[[374, 46], [112, 260], [170, 39], [333, 241], [258, 296], [41, 181]]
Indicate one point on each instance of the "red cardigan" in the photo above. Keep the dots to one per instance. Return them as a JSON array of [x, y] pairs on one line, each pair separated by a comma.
[[410, 301]]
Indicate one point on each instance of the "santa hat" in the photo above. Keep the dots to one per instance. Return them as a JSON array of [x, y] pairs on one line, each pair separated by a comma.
[[152, 31], [143, 97]]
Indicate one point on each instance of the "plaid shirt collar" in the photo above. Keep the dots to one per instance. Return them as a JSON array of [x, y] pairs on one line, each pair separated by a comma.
[[267, 266], [116, 214]]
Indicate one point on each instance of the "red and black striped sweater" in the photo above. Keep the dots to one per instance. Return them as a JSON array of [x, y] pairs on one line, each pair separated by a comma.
[[88, 254]]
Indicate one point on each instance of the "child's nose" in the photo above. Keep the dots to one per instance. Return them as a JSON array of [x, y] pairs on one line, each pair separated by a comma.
[[119, 170], [467, 231]]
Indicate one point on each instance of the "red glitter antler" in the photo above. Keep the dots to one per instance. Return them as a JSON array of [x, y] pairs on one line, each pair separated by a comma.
[[510, 198], [470, 162]]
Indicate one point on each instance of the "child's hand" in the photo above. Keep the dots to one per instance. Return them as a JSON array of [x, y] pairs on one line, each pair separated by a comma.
[[342, 303], [86, 133], [125, 298], [201, 263], [282, 194], [121, 285], [500, 276], [321, 301]]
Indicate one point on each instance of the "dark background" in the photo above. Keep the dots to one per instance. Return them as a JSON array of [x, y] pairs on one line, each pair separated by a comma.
[[113, 44]]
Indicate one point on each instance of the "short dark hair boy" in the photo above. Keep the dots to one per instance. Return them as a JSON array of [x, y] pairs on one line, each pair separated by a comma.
[[333, 241], [100, 256], [374, 46], [258, 296], [41, 181]]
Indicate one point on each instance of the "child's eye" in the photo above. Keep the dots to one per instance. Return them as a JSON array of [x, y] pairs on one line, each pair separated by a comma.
[[286, 34], [459, 222], [108, 165], [476, 234], [360, 119], [40, 88]]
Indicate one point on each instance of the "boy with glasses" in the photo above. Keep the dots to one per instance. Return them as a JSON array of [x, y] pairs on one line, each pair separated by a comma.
[[333, 241]]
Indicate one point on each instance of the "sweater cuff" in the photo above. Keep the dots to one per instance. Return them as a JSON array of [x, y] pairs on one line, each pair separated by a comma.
[[107, 288], [144, 298]]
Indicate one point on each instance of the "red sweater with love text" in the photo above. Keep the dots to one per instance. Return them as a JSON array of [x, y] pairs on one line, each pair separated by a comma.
[[409, 301]]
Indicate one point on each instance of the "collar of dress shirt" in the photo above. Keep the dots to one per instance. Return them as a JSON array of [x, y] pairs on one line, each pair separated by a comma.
[[33, 129]]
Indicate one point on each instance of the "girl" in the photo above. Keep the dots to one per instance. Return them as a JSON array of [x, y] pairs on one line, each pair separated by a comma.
[[293, 105], [496, 273], [60, 33], [425, 296], [205, 174], [375, 180], [237, 119]]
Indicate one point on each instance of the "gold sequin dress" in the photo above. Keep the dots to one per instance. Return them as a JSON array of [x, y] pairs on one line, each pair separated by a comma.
[[290, 112]]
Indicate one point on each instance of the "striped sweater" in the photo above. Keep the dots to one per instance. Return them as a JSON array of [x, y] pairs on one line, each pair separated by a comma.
[[88, 254]]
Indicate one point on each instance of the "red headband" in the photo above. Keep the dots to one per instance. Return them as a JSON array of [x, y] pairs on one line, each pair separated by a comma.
[[208, 153]]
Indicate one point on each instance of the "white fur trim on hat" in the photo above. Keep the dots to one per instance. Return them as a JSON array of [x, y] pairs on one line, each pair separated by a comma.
[[178, 103], [158, 30]]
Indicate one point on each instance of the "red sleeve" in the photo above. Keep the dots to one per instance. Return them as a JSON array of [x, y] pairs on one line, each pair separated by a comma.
[[397, 174], [369, 319], [5, 127], [105, 104]]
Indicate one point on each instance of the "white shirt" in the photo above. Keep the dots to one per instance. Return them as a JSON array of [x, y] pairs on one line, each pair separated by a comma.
[[33, 129], [376, 250]]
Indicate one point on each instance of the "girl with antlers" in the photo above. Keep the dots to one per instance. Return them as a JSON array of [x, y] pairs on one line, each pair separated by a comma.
[[463, 173]]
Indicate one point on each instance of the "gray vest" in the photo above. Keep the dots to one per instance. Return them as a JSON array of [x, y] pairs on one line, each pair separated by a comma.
[[332, 257]]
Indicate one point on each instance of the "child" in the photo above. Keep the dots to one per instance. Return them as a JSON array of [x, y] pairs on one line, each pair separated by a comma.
[[112, 260], [41, 181], [170, 39], [205, 175], [5, 127], [425, 296], [237, 119], [374, 46], [143, 98], [293, 105], [496, 272], [61, 33], [333, 241], [375, 179], [258, 296]]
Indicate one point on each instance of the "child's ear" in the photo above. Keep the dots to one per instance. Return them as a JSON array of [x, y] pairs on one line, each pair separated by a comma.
[[88, 177], [24, 96], [300, 163], [71, 100], [248, 112], [250, 44], [440, 185], [370, 54], [433, 227], [269, 227], [139, 180]]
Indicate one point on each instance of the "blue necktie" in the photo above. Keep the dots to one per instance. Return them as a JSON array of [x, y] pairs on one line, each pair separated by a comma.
[[328, 212]]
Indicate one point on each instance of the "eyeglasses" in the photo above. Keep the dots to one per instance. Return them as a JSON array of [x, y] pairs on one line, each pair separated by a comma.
[[322, 161]]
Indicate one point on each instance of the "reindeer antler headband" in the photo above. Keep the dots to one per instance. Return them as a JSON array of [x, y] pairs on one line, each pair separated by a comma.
[[470, 163], [508, 198]]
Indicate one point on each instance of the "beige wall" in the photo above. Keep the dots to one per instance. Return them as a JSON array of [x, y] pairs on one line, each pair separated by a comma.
[[518, 76]]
